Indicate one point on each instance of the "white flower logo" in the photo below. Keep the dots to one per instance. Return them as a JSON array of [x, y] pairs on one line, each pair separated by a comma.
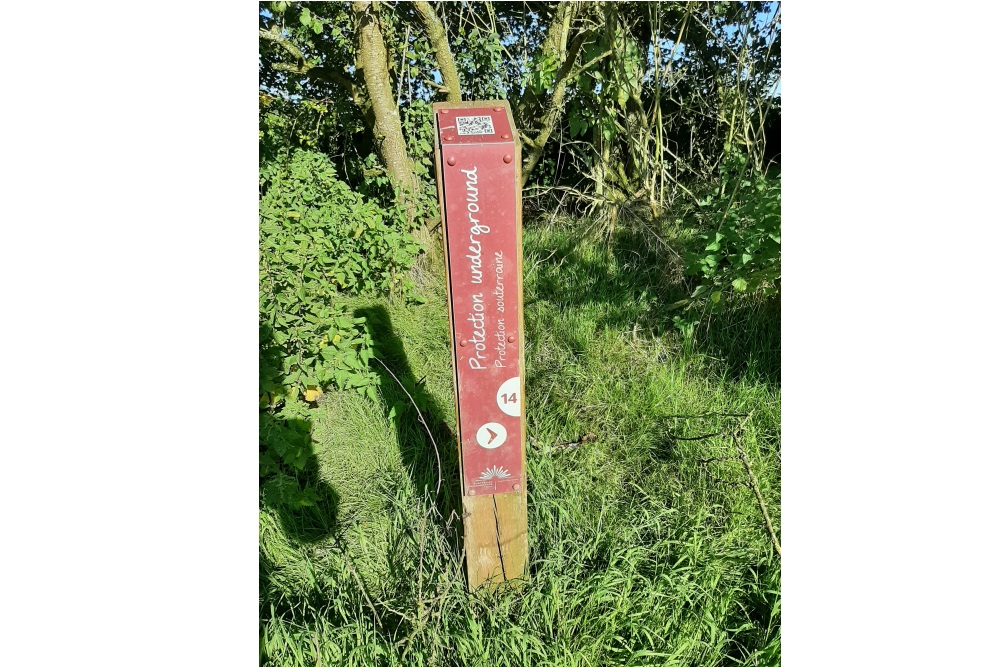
[[496, 472]]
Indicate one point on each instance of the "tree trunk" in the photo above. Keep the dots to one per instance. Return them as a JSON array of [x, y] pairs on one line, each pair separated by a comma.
[[602, 146], [387, 128], [555, 46], [554, 110], [442, 51]]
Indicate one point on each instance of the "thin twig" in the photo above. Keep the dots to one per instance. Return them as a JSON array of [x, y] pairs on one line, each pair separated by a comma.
[[573, 444], [420, 415], [736, 435], [756, 489], [709, 414], [700, 437], [715, 458]]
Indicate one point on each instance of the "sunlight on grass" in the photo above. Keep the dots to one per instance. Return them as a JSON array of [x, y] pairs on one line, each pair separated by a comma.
[[645, 549]]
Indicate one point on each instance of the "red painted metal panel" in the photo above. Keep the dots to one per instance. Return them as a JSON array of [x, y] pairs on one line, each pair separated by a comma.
[[482, 236], [474, 126]]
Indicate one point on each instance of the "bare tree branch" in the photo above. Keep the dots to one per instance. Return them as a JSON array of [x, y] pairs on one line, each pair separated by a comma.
[[593, 61], [756, 489], [274, 35], [303, 67]]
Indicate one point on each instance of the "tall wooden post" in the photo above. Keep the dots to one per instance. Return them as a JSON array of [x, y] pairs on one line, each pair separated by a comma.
[[478, 160]]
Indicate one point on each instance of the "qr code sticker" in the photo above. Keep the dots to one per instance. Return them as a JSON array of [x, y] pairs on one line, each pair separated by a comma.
[[474, 125]]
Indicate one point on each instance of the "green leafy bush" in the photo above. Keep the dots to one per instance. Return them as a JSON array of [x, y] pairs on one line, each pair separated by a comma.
[[740, 249], [286, 447], [318, 239]]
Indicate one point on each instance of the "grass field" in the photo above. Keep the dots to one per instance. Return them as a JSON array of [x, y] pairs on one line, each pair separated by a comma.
[[646, 548]]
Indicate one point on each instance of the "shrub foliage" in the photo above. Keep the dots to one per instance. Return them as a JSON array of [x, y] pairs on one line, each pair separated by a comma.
[[739, 247], [318, 239]]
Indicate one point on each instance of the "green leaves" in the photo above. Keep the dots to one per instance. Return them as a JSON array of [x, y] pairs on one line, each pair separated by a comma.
[[715, 245], [319, 240], [311, 252], [742, 254], [311, 22]]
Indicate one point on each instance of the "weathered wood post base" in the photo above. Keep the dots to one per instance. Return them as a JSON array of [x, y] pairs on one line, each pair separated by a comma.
[[478, 161]]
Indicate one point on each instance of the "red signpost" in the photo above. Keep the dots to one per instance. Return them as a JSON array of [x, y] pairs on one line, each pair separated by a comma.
[[479, 176]]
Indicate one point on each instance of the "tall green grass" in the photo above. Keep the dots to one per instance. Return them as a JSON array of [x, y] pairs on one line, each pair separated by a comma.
[[646, 549]]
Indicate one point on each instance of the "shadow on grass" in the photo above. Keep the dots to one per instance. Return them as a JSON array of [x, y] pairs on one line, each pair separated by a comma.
[[630, 284], [290, 484], [747, 337], [432, 464], [304, 504], [291, 489], [630, 280]]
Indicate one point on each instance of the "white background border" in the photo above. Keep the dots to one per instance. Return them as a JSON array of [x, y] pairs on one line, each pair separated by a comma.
[[129, 243]]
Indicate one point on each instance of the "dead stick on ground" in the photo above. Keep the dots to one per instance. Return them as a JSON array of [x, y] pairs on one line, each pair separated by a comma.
[[754, 487], [573, 444]]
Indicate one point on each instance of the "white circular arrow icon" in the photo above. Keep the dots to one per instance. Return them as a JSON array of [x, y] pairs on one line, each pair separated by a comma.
[[491, 435]]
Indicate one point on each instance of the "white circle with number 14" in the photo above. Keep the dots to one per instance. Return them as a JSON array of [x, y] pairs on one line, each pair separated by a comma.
[[509, 397]]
